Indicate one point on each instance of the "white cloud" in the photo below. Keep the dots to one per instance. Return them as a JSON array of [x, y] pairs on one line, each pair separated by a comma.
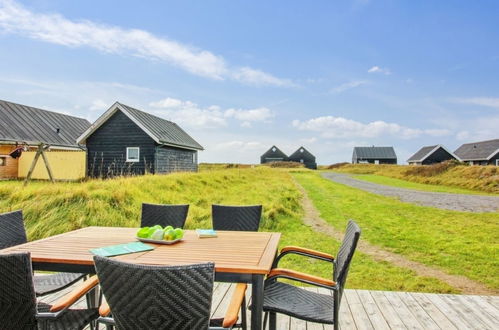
[[56, 29], [492, 102], [478, 129], [257, 77], [349, 85], [190, 114], [377, 69], [99, 105], [339, 127], [258, 114]]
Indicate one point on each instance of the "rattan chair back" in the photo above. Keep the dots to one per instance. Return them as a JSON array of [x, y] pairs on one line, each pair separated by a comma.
[[17, 294], [164, 215], [237, 218], [157, 297], [345, 254], [12, 230]]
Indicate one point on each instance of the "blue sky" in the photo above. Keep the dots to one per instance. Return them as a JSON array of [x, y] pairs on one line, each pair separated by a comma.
[[243, 76]]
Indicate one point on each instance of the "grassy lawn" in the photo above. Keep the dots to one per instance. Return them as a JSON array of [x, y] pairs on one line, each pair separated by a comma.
[[482, 179], [56, 208], [457, 242], [414, 185]]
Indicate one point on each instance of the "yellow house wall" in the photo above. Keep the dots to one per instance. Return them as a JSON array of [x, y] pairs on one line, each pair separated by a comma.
[[65, 165]]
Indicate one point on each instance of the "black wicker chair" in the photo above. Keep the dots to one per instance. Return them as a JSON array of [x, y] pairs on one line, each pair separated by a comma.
[[310, 306], [12, 233], [238, 218], [161, 297], [164, 215], [18, 306]]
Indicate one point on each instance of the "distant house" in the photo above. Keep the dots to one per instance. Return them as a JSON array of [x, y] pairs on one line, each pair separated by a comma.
[[374, 155], [127, 141], [274, 154], [303, 156], [431, 155], [23, 129], [479, 153]]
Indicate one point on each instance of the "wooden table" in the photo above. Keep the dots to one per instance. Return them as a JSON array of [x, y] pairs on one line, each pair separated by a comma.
[[238, 256]]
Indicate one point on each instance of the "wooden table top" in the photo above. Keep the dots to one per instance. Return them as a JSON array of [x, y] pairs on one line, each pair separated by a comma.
[[231, 251]]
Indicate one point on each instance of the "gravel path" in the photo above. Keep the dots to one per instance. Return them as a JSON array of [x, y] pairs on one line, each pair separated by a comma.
[[456, 202]]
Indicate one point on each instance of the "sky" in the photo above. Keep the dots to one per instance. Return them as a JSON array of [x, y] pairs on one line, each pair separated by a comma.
[[241, 76]]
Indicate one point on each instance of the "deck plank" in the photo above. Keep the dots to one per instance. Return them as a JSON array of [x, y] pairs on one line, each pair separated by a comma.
[[359, 314], [434, 313], [454, 316], [410, 319], [390, 315], [363, 309], [372, 310], [485, 313]]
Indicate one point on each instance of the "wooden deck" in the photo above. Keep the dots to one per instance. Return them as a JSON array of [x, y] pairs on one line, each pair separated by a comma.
[[363, 309]]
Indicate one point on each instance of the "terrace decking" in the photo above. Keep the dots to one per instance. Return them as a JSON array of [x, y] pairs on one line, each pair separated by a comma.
[[365, 309]]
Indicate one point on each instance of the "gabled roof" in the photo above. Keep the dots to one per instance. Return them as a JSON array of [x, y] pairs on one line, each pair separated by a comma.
[[162, 131], [24, 124], [425, 152], [483, 150], [301, 152], [374, 152], [274, 152]]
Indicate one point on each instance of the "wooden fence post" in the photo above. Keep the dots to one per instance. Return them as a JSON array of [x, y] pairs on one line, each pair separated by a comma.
[[33, 164], [47, 165]]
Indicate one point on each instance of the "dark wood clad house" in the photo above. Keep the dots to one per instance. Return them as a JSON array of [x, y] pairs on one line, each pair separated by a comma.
[[374, 155], [303, 156], [274, 154], [127, 141], [479, 153], [431, 155]]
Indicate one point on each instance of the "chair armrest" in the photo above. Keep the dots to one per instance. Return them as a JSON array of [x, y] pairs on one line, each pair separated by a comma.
[[104, 309], [292, 274], [232, 312], [310, 252], [74, 295], [304, 252]]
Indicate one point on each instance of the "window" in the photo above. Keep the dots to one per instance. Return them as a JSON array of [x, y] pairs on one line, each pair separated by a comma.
[[301, 161], [301, 150], [497, 162], [376, 161], [273, 149], [194, 157], [3, 161], [133, 154]]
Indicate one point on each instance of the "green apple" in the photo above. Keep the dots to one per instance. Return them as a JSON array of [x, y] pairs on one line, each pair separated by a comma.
[[158, 234], [179, 233], [168, 228], [169, 235], [143, 232]]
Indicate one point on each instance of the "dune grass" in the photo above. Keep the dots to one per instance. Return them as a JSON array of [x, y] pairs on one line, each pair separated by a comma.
[[51, 209], [457, 242], [379, 179]]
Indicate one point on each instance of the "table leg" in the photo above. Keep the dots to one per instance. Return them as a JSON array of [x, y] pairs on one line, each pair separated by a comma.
[[256, 302]]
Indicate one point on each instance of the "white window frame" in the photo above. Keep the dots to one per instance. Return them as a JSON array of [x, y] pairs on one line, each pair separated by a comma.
[[497, 162], [132, 160], [194, 160], [376, 162]]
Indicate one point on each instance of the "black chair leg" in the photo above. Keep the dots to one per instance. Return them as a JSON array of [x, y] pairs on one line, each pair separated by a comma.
[[243, 314], [272, 321]]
